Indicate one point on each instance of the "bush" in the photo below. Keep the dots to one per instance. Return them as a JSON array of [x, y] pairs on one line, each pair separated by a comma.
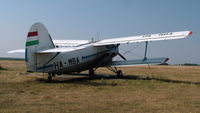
[[189, 64], [1, 68]]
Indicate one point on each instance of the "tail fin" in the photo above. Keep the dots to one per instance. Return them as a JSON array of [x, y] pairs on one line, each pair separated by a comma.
[[38, 39]]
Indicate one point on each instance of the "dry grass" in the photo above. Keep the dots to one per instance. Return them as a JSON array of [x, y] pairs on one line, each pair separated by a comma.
[[171, 89]]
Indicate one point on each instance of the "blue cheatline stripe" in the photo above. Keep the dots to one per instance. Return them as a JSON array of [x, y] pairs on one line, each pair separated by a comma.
[[45, 67], [96, 54], [92, 55]]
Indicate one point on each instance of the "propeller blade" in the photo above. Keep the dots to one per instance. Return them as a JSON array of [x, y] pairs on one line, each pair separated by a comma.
[[121, 56]]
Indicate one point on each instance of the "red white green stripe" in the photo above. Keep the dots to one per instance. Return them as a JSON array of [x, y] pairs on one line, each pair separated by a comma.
[[32, 39]]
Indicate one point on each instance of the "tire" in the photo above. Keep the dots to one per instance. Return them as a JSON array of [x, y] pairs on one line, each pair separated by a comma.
[[49, 78], [119, 74], [91, 72]]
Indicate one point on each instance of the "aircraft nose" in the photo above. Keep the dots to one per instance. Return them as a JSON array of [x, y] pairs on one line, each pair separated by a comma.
[[167, 59]]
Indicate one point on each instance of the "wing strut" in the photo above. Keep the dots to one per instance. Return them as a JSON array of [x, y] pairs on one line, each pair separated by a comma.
[[145, 54]]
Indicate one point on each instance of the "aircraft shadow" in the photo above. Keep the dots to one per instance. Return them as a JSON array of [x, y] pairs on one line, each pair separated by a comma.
[[88, 80]]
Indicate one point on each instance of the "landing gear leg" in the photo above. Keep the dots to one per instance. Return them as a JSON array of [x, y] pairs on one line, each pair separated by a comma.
[[91, 71], [118, 72], [50, 77], [53, 74]]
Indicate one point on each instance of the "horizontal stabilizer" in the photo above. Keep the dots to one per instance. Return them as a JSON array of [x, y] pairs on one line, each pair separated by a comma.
[[138, 62], [64, 49], [54, 50], [17, 51]]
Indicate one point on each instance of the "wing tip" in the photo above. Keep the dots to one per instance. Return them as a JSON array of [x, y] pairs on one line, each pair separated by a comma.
[[190, 33]]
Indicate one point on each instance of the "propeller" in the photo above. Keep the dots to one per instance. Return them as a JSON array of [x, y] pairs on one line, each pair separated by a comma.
[[121, 56]]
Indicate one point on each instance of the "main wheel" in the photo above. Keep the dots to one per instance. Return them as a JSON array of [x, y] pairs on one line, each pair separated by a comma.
[[91, 72], [119, 74]]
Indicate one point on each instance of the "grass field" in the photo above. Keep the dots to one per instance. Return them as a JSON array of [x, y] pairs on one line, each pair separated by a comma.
[[163, 89]]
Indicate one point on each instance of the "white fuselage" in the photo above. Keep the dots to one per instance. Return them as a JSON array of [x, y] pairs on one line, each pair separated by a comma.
[[78, 60]]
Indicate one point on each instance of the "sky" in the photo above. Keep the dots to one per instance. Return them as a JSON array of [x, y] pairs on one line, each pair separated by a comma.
[[103, 19]]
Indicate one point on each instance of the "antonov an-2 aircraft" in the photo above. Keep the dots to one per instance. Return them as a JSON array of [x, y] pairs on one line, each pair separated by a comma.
[[56, 57]]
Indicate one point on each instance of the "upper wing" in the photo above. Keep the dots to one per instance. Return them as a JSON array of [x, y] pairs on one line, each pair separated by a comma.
[[70, 43], [144, 38], [76, 44], [66, 46]]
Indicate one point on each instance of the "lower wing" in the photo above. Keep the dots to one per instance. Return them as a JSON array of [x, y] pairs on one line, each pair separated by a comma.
[[137, 62]]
